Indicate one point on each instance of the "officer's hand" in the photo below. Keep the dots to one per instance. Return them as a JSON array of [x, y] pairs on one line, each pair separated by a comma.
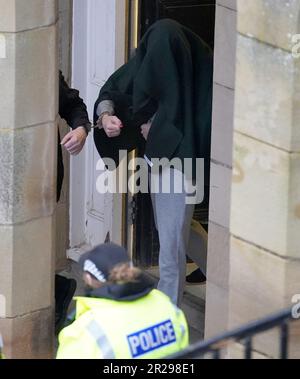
[[75, 140], [145, 129], [112, 125]]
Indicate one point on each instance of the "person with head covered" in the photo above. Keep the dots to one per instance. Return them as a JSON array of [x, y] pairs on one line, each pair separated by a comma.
[[161, 103]]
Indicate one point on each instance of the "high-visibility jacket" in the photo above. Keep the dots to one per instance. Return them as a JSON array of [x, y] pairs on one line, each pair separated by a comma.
[[147, 328]]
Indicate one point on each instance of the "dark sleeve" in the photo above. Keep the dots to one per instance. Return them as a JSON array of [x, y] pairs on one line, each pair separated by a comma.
[[71, 106]]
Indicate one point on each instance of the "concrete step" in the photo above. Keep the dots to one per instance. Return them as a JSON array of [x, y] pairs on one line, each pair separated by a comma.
[[194, 309]]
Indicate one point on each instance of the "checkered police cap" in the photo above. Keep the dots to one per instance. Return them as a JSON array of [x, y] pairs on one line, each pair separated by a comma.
[[102, 259]]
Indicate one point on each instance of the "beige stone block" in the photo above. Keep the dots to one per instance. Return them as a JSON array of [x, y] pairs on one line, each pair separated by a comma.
[[30, 336], [225, 47], [7, 80], [222, 130], [29, 79], [244, 309], [294, 340], [27, 175], [273, 22], [220, 188], [228, 4], [27, 266], [216, 310], [258, 278], [18, 15], [237, 351], [265, 194], [293, 211], [218, 259], [64, 6], [261, 284], [267, 101], [65, 37]]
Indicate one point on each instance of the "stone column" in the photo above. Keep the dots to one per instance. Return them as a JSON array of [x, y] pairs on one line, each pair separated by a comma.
[[28, 131], [216, 320], [265, 217]]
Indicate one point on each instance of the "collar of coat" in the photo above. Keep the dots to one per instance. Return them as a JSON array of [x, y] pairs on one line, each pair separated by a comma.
[[124, 292]]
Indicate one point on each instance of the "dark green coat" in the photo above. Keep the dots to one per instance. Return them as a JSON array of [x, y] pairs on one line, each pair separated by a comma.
[[171, 74]]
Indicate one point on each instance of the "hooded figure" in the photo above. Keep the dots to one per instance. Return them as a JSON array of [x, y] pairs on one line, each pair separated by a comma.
[[170, 76], [169, 80]]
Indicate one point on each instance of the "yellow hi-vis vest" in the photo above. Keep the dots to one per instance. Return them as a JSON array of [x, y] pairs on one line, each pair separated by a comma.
[[147, 328]]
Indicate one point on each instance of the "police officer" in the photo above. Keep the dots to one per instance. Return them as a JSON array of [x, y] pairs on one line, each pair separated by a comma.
[[122, 316]]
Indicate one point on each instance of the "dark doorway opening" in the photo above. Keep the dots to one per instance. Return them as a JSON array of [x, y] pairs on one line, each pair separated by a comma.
[[199, 16]]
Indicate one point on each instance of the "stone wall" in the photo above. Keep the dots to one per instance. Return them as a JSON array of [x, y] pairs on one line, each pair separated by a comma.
[[221, 169], [254, 239], [265, 222], [28, 107]]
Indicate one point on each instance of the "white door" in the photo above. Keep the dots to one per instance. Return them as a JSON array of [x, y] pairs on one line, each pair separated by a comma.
[[99, 36]]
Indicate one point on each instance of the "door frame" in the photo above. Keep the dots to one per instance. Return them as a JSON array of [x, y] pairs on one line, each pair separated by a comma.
[[83, 59]]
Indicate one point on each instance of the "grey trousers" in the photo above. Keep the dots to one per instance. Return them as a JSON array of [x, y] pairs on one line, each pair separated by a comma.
[[173, 221]]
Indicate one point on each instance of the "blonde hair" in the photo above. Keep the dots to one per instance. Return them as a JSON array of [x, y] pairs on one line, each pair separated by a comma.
[[124, 273]]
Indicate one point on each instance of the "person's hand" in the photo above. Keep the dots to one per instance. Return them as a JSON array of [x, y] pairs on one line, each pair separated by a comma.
[[75, 140], [112, 125], [145, 129]]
